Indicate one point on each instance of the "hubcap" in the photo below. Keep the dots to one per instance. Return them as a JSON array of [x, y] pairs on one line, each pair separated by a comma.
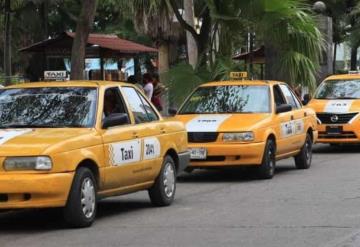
[[308, 152], [271, 161], [88, 197], [169, 180]]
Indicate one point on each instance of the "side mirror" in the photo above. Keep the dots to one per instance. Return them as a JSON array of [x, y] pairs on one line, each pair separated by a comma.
[[306, 99], [115, 120], [172, 111], [283, 108]]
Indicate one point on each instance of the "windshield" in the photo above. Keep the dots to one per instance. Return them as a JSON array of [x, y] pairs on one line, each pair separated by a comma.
[[339, 89], [228, 99], [50, 107]]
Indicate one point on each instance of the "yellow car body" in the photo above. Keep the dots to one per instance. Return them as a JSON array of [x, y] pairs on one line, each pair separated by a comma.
[[99, 149], [338, 110], [206, 131]]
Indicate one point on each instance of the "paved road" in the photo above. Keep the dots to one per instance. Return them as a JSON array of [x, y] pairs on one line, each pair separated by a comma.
[[315, 207]]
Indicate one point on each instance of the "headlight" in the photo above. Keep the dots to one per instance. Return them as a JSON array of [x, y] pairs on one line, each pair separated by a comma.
[[28, 163], [238, 137]]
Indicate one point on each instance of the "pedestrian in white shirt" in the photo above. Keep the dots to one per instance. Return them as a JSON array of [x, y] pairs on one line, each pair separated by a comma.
[[148, 85]]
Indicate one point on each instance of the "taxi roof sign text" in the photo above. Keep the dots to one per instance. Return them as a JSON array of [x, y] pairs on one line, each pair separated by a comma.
[[238, 75]]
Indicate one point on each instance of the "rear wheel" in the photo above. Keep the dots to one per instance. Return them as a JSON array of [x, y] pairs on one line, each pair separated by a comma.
[[267, 168], [303, 159], [162, 193], [80, 209]]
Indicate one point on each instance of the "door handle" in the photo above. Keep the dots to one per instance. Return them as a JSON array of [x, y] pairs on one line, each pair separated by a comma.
[[292, 117], [162, 130], [135, 135], [305, 114]]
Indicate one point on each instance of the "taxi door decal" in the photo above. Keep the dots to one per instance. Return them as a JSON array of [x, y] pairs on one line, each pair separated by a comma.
[[290, 128], [152, 148], [338, 106], [8, 134], [121, 153], [206, 123]]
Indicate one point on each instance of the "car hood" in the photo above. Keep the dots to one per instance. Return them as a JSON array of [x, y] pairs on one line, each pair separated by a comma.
[[223, 122], [44, 141], [335, 106]]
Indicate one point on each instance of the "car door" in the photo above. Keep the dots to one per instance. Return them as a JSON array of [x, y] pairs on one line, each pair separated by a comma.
[[284, 124], [150, 131], [122, 145], [298, 115]]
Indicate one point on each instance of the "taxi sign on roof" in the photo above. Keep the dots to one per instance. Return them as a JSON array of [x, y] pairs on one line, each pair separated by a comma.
[[238, 75]]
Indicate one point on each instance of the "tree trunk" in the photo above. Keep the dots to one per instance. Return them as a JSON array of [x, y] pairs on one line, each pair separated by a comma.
[[353, 59], [334, 59], [83, 27], [7, 42], [272, 72], [191, 43], [44, 11], [163, 57]]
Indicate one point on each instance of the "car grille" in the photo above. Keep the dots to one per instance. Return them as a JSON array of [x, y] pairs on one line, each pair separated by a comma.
[[335, 118], [202, 136], [342, 135]]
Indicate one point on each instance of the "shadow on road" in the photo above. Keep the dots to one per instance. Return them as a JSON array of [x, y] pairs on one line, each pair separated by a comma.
[[42, 220], [336, 149], [229, 175]]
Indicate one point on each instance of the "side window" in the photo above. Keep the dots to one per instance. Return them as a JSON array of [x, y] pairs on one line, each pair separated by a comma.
[[140, 108], [113, 102], [278, 96], [290, 98]]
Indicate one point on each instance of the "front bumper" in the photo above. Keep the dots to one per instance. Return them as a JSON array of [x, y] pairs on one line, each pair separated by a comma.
[[34, 190], [350, 134], [184, 161], [229, 154]]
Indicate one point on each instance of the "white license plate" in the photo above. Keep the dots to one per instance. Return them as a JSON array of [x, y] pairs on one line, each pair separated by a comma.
[[198, 153]]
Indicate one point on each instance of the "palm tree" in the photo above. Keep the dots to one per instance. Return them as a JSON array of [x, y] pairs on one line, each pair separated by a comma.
[[293, 42]]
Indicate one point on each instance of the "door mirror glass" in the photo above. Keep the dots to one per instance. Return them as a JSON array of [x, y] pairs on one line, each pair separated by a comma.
[[115, 120], [283, 108]]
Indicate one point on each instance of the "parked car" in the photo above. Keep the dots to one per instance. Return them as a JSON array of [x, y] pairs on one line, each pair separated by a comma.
[[69, 144], [247, 123], [337, 106]]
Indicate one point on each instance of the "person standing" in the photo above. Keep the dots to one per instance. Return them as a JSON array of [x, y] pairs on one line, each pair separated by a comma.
[[148, 85], [158, 92]]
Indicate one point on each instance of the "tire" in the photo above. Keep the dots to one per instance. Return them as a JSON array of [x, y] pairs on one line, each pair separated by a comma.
[[267, 168], [81, 207], [162, 193], [303, 159]]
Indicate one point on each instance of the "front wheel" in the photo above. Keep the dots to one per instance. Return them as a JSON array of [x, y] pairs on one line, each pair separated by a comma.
[[303, 159], [267, 168], [162, 193], [80, 209]]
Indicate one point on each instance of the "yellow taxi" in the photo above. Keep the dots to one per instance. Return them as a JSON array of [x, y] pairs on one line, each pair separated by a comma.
[[246, 122], [69, 144], [337, 106]]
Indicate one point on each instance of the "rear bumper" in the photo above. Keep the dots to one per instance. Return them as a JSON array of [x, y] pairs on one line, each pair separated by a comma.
[[34, 190], [184, 161], [229, 154]]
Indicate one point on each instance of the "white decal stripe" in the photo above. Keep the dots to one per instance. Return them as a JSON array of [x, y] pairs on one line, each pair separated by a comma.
[[206, 123], [338, 106], [8, 134]]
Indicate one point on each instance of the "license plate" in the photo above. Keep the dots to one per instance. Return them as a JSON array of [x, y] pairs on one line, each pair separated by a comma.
[[335, 130], [198, 153]]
